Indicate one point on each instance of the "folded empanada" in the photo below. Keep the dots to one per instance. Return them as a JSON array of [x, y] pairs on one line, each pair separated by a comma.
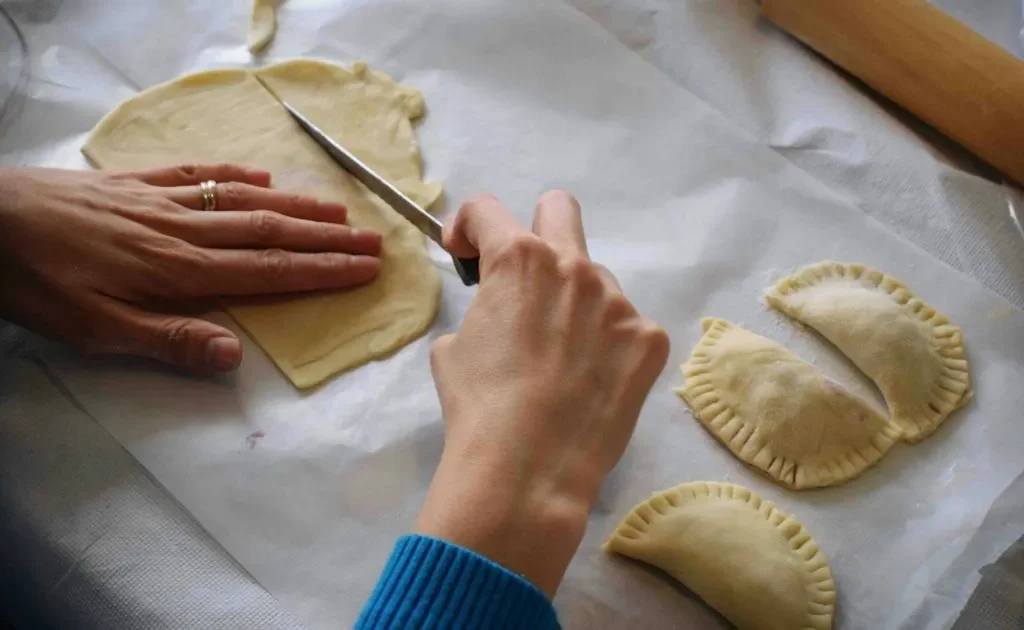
[[742, 555], [778, 413], [909, 349]]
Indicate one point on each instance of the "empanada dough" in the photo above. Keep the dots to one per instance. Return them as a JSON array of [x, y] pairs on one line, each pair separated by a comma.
[[742, 555], [228, 116], [264, 24], [778, 413], [910, 350]]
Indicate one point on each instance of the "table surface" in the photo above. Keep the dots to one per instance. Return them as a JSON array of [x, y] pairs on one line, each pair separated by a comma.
[[95, 542]]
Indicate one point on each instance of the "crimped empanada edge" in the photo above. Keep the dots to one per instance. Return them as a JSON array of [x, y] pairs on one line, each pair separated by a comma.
[[822, 591], [947, 339], [714, 414]]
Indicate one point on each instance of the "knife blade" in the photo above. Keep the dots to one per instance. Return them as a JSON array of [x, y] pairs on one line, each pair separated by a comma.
[[467, 268]]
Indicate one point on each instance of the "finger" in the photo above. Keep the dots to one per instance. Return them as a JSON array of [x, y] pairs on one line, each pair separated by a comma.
[[438, 350], [238, 196], [608, 279], [480, 227], [255, 272], [193, 174], [558, 221], [193, 344], [265, 229]]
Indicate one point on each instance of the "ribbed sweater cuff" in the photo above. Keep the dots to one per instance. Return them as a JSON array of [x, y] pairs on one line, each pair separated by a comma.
[[430, 583]]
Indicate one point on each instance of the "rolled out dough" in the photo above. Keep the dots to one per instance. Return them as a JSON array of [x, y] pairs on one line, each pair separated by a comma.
[[228, 116]]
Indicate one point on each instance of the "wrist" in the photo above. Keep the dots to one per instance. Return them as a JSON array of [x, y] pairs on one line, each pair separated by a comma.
[[524, 523]]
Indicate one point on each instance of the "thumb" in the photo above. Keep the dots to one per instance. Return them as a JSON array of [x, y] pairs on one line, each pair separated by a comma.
[[193, 344], [438, 350]]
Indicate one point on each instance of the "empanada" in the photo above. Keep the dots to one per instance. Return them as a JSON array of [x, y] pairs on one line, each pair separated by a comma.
[[778, 413], [910, 350], [742, 555]]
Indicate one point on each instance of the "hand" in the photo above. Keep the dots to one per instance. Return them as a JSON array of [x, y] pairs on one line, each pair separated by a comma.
[[540, 389], [84, 256]]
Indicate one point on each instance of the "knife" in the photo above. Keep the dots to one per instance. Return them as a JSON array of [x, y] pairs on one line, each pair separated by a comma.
[[467, 268]]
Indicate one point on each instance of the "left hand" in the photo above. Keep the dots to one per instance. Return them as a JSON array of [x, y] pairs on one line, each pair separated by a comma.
[[92, 258]]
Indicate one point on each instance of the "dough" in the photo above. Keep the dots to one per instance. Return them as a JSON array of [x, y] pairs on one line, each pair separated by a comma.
[[264, 24], [778, 413], [910, 350], [741, 554], [227, 115]]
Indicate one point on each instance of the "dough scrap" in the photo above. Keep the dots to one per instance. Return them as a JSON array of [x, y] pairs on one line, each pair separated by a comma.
[[909, 349], [228, 116], [264, 24], [742, 555], [778, 413]]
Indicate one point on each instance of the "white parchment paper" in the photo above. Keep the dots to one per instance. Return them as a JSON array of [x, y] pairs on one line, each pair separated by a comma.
[[695, 216]]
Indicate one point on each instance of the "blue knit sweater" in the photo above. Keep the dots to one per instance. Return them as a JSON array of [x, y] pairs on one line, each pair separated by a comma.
[[431, 584]]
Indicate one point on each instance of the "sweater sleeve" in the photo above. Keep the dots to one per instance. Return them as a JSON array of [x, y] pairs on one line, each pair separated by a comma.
[[431, 584]]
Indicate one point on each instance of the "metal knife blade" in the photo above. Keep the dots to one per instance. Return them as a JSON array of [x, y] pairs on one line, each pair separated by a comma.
[[468, 268]]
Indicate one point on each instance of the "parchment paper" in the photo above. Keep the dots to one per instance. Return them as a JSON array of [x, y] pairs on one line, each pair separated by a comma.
[[695, 216]]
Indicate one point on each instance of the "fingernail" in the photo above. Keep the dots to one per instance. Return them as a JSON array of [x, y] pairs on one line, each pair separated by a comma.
[[368, 235], [257, 173], [363, 267], [223, 353], [336, 210]]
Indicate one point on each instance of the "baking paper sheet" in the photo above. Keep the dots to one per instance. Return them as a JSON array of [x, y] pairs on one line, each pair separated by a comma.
[[308, 491], [830, 125]]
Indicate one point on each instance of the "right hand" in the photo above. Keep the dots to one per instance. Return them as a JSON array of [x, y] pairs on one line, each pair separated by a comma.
[[540, 389]]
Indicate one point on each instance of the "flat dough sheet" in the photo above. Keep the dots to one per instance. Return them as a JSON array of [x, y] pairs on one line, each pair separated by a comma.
[[228, 116]]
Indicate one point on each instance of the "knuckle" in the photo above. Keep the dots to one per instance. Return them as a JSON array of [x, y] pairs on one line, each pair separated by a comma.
[[274, 264], [582, 274], [187, 171], [172, 338], [331, 233], [620, 308], [265, 225], [654, 338], [524, 248], [230, 194], [301, 202], [608, 278], [339, 263], [475, 202], [439, 347]]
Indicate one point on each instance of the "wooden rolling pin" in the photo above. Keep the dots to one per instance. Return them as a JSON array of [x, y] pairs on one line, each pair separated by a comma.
[[927, 62]]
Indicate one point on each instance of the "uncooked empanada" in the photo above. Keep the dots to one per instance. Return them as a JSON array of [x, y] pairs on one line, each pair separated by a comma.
[[910, 350], [742, 555], [778, 413]]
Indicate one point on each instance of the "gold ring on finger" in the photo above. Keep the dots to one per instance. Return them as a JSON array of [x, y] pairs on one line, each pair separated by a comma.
[[208, 190]]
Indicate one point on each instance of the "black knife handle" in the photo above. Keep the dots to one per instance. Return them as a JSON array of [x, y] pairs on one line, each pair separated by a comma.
[[469, 270]]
